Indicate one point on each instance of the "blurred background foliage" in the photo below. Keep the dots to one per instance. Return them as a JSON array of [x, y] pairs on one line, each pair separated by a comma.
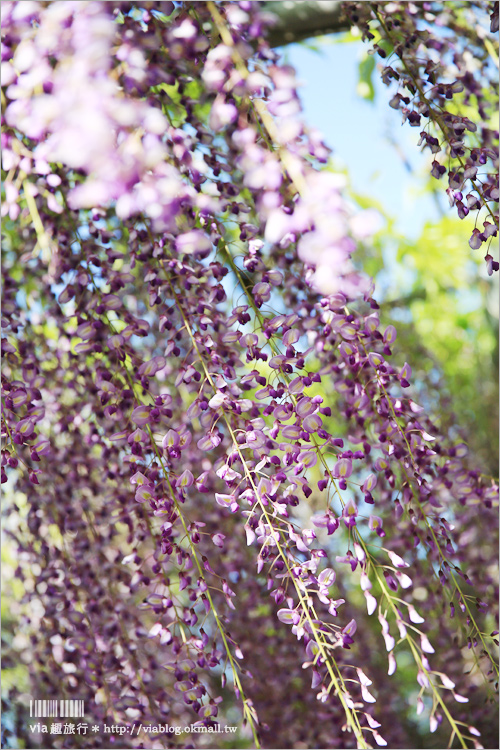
[[445, 308]]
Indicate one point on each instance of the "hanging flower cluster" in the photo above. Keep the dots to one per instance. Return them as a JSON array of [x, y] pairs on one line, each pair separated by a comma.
[[229, 486], [443, 79]]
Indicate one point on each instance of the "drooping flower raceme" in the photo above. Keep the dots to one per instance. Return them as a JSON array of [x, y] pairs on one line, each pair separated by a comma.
[[228, 483]]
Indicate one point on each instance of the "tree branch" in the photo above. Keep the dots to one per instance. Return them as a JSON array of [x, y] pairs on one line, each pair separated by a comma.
[[301, 19]]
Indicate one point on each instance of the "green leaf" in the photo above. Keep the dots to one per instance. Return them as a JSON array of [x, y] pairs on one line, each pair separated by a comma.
[[365, 88]]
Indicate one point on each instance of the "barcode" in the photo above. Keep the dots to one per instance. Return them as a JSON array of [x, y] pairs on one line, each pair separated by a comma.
[[57, 708]]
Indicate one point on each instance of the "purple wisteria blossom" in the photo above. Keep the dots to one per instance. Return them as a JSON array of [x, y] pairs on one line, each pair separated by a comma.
[[230, 501]]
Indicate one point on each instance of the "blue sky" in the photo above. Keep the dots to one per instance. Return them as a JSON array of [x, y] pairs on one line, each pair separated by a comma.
[[357, 130]]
